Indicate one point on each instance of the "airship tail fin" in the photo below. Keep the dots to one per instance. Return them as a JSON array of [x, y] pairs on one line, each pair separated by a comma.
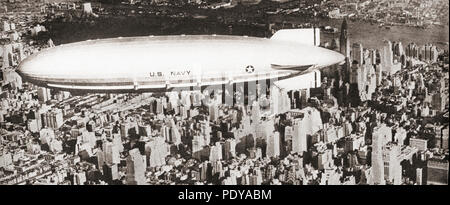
[[308, 36]]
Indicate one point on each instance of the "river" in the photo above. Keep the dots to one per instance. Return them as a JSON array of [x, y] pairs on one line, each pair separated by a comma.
[[369, 35]]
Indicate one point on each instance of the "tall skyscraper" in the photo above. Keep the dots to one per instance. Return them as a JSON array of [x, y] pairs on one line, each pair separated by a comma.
[[53, 119], [344, 49], [213, 112], [419, 176], [159, 106], [387, 58], [175, 135], [379, 137], [273, 145], [229, 149], [411, 50], [111, 153], [256, 113], [165, 132], [7, 55], [357, 54], [392, 167], [299, 137], [46, 135], [44, 94], [344, 46], [155, 151], [204, 174], [6, 26], [135, 168], [111, 172], [126, 128], [100, 159], [398, 49], [32, 125], [215, 152], [378, 74], [444, 138], [217, 167], [197, 145], [434, 54], [373, 56], [427, 52]]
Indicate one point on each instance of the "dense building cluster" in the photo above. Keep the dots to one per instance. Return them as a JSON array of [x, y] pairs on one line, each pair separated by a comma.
[[398, 12], [380, 118]]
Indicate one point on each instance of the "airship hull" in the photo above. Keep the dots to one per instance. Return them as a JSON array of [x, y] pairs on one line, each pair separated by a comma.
[[142, 85], [163, 63]]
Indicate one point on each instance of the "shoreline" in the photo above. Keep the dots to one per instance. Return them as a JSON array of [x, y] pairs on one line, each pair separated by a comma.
[[360, 31]]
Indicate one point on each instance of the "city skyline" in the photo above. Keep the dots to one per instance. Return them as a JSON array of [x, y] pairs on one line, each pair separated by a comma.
[[380, 117]]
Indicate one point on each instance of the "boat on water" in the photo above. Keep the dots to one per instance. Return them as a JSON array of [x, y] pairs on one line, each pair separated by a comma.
[[329, 29]]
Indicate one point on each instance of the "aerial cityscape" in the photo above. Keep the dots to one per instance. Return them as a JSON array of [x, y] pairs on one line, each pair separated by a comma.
[[326, 92]]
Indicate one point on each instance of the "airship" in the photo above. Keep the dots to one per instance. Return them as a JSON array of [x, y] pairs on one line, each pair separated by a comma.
[[164, 63]]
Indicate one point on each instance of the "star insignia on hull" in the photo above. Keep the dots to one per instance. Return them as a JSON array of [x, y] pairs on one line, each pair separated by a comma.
[[249, 69]]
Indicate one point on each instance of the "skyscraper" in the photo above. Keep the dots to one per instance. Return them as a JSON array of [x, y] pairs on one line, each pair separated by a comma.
[[427, 52], [6, 26], [357, 54], [32, 125], [379, 137], [387, 57], [215, 152], [344, 46], [175, 135], [434, 54], [197, 145], [7, 55], [44, 94], [299, 137], [155, 151], [126, 128], [213, 112], [229, 149], [135, 168], [398, 49], [419, 176], [256, 113], [392, 167], [159, 106], [273, 145], [111, 153], [344, 49], [53, 119], [46, 135]]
